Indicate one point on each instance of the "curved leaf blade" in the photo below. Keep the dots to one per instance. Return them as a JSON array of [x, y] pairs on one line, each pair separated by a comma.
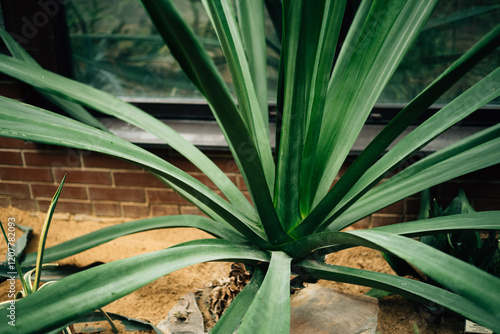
[[475, 152], [481, 288], [409, 114], [385, 36], [130, 324], [79, 294], [44, 233], [270, 309], [224, 20], [26, 122], [335, 241], [75, 110], [399, 285], [232, 316], [486, 220], [104, 235], [478, 95], [108, 104], [200, 69]]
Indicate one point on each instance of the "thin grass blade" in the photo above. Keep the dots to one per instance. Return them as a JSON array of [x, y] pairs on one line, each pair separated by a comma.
[[26, 287], [44, 233]]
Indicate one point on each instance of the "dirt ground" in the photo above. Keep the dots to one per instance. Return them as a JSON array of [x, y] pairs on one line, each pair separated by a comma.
[[153, 302]]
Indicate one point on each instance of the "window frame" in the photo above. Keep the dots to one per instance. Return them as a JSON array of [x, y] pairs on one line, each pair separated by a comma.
[[49, 44]]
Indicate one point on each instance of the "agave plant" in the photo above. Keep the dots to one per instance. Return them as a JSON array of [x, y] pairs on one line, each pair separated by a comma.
[[295, 216]]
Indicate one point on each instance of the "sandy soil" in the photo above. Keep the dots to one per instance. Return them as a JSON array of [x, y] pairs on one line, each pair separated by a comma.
[[153, 302]]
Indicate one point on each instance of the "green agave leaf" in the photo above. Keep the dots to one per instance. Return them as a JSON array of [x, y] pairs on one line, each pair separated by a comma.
[[470, 154], [8, 267], [310, 34], [460, 204], [22, 241], [224, 21], [75, 110], [335, 241], [74, 296], [199, 68], [373, 54], [468, 102], [108, 104], [320, 75], [269, 311], [29, 123], [292, 110], [44, 233], [221, 13], [479, 287], [250, 15], [486, 220], [232, 316], [481, 221], [99, 237], [405, 118], [199, 204], [402, 286]]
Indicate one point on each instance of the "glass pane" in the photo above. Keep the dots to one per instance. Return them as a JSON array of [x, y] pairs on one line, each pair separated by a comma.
[[116, 48], [453, 28]]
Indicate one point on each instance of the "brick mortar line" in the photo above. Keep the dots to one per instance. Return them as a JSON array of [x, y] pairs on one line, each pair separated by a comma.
[[99, 169], [386, 214], [11, 149]]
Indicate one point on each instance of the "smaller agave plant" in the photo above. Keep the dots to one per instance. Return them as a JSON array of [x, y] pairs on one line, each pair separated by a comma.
[[296, 213]]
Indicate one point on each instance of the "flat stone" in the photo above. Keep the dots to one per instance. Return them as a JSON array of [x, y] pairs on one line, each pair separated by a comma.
[[184, 318], [320, 310]]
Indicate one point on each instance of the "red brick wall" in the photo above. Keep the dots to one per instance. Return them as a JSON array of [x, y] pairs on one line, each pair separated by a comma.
[[96, 184], [104, 186]]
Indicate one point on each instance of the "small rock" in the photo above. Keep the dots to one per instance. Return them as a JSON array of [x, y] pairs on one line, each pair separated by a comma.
[[318, 309], [184, 318]]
